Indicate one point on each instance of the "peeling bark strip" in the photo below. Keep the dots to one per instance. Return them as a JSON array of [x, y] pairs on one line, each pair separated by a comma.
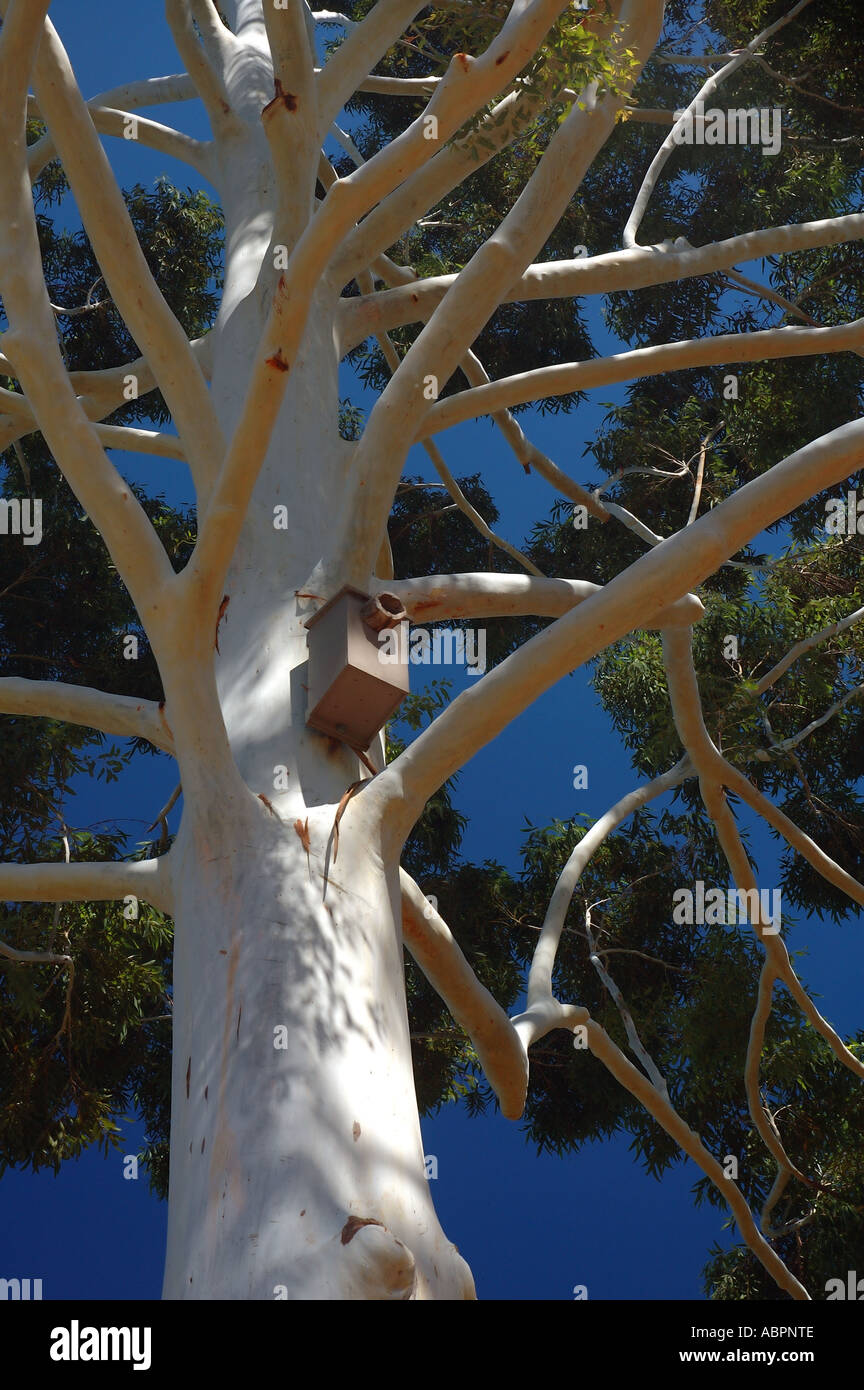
[[340, 811], [301, 829], [221, 614]]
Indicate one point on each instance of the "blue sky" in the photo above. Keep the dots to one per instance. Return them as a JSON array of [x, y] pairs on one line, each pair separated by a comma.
[[531, 1227]]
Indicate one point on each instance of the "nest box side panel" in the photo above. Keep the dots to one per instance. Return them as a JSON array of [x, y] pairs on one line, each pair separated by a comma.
[[353, 689], [328, 651]]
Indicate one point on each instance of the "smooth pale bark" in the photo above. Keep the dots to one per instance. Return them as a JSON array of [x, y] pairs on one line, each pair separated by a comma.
[[630, 269], [78, 704], [499, 1048], [296, 1155], [268, 935], [150, 879], [723, 349], [707, 89]]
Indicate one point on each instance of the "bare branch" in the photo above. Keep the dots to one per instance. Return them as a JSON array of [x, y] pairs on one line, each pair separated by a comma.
[[495, 1040], [805, 645], [639, 1086], [355, 58], [723, 349], [631, 600], [760, 1116], [543, 963], [687, 712], [707, 89], [467, 84], [147, 91], [148, 879], [100, 393], [33, 957], [111, 121], [482, 285], [637, 1047], [786, 744], [291, 120], [439, 597], [121, 260], [617, 270], [391, 357], [428, 185], [207, 79], [400, 86], [134, 546], [137, 441], [79, 704]]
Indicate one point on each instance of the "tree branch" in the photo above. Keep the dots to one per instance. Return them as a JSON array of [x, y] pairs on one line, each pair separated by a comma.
[[100, 393], [33, 957], [639, 1086], [637, 1047], [122, 261], [465, 86], [638, 268], [148, 879], [632, 599], [291, 120], [495, 1040], [707, 89], [135, 548], [687, 713], [208, 82], [111, 121], [355, 58], [147, 91], [391, 357], [721, 350], [531, 1024], [484, 282], [427, 186], [135, 441], [758, 1112], [439, 597], [79, 704], [805, 645]]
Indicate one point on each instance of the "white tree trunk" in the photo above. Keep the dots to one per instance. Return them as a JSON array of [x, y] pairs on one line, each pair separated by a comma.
[[280, 1155], [296, 1158]]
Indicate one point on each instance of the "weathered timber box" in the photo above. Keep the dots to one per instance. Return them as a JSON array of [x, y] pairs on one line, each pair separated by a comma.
[[353, 690]]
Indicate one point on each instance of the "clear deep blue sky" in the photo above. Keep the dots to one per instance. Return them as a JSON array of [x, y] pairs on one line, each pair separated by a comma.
[[531, 1227]]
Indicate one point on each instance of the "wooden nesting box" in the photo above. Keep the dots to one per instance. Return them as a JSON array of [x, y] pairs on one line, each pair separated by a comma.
[[352, 690]]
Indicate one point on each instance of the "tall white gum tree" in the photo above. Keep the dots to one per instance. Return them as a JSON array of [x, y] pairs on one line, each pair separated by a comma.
[[298, 1171]]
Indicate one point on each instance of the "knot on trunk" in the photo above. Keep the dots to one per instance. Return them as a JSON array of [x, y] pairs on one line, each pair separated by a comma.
[[377, 1265]]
